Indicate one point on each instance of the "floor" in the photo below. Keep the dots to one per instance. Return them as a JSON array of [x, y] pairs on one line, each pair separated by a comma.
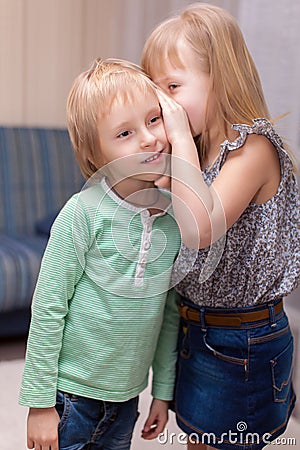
[[173, 438]]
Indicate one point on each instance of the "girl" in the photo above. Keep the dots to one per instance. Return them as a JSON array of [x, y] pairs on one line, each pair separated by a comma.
[[237, 203]]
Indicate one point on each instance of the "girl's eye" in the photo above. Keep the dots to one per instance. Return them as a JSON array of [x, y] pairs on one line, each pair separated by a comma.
[[123, 134]]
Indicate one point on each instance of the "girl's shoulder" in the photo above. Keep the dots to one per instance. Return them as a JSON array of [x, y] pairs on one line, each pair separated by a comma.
[[249, 168], [256, 147]]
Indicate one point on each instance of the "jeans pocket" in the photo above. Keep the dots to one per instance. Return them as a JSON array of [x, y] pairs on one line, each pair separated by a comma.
[[282, 368], [225, 356], [62, 407], [184, 339]]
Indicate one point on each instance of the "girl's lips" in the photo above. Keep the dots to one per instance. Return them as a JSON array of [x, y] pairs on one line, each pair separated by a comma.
[[153, 157]]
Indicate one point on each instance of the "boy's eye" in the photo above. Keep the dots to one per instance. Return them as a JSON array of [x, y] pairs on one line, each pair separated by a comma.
[[123, 134], [172, 86], [154, 119]]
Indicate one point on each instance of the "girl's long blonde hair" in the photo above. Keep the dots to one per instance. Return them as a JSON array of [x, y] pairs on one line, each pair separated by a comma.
[[218, 45]]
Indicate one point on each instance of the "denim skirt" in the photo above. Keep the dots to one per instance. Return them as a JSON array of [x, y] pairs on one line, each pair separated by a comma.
[[233, 387]]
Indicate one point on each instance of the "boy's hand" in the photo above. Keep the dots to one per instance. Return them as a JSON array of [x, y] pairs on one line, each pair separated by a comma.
[[42, 428], [157, 419]]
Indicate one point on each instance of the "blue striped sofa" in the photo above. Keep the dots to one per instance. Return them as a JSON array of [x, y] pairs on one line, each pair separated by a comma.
[[38, 173]]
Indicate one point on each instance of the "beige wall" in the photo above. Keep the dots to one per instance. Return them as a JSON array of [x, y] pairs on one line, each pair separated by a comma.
[[40, 48], [44, 44], [272, 32]]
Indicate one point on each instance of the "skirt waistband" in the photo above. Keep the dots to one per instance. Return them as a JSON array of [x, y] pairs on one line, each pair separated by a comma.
[[229, 319]]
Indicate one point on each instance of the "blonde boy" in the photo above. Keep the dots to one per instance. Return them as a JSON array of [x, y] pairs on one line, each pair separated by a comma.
[[103, 313]]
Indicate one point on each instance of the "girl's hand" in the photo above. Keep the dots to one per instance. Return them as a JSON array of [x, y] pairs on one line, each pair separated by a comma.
[[175, 118], [157, 419], [42, 429]]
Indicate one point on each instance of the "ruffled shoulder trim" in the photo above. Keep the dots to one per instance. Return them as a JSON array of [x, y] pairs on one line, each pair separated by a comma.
[[260, 126]]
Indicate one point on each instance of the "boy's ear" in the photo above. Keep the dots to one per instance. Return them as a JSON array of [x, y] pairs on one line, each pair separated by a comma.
[[92, 165], [96, 163]]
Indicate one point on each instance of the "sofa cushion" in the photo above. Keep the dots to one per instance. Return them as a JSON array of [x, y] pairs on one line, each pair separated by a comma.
[[20, 260], [44, 225], [14, 323], [38, 173]]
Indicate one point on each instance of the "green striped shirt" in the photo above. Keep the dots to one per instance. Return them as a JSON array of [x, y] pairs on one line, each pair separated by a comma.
[[102, 311]]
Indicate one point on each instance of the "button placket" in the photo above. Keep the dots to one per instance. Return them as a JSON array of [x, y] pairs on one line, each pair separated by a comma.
[[147, 222]]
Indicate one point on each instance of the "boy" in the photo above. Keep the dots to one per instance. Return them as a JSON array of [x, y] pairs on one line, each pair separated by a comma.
[[102, 311]]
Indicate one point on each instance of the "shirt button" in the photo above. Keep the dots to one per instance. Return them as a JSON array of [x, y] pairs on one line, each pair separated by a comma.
[[147, 245]]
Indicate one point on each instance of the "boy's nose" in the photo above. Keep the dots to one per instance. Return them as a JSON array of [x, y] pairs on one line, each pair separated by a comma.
[[147, 139]]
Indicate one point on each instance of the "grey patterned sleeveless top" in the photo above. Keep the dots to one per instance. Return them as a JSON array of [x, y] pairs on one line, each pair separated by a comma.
[[258, 260]]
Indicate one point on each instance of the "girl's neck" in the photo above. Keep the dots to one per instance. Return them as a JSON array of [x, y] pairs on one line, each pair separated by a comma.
[[215, 141], [212, 152]]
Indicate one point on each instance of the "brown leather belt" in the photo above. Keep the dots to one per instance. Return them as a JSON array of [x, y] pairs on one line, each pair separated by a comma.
[[230, 319]]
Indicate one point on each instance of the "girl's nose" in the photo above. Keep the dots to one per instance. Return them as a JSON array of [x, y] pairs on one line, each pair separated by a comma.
[[147, 139]]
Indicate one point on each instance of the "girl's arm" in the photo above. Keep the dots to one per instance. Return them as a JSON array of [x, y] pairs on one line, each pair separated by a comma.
[[205, 213]]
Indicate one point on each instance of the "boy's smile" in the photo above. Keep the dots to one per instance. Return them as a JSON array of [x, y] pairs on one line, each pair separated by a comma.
[[133, 141], [153, 158]]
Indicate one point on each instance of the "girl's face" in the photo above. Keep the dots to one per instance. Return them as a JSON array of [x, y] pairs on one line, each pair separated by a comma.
[[189, 86], [133, 140]]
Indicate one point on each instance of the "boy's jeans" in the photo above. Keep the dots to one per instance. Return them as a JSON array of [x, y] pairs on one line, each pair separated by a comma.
[[88, 424]]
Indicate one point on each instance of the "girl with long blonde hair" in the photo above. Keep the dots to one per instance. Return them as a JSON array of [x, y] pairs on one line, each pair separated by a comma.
[[236, 201]]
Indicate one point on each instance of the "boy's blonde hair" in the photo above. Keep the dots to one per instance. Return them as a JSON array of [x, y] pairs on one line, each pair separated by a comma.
[[219, 47], [91, 97]]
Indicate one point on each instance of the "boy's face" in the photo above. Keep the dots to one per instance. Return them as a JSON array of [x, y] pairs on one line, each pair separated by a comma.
[[133, 140]]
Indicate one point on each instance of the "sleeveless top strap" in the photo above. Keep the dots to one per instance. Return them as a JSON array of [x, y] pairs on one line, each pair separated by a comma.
[[260, 126]]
